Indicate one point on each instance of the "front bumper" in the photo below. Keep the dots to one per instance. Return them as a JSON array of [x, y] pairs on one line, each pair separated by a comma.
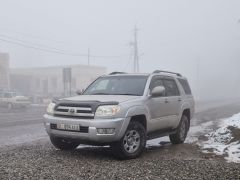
[[92, 124]]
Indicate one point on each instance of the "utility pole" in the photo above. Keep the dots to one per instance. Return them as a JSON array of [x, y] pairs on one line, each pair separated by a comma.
[[198, 78], [88, 57], [135, 49]]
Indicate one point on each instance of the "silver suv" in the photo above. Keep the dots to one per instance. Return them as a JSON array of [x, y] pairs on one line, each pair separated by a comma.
[[123, 111]]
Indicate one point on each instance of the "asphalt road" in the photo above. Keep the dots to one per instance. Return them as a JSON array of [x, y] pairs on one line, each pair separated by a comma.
[[21, 125], [26, 153]]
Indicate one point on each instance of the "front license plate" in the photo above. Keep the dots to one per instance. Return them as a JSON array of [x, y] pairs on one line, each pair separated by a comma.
[[68, 127]]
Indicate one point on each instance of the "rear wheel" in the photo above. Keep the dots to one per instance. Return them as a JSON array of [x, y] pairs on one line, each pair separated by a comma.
[[63, 144], [133, 142], [182, 130]]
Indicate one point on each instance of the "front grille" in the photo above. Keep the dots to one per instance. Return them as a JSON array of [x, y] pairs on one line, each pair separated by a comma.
[[83, 129], [62, 110], [74, 111], [72, 117], [84, 111], [53, 126]]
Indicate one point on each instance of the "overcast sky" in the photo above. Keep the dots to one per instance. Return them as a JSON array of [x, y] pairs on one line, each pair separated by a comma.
[[173, 35]]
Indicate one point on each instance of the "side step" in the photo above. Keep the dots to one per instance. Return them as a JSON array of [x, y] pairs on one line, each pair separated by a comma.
[[160, 133]]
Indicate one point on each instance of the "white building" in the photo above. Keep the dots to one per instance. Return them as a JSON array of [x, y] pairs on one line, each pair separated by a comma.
[[4, 71], [49, 81]]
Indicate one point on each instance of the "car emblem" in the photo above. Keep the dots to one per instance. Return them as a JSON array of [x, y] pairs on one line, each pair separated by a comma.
[[72, 111]]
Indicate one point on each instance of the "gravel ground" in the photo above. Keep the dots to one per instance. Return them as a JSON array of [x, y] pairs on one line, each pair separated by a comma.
[[37, 159], [41, 161]]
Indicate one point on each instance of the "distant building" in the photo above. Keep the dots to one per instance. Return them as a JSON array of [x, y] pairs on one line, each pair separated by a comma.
[[4, 71], [54, 81]]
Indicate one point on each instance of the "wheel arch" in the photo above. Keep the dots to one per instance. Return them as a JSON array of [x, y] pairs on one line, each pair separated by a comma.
[[136, 113], [187, 113], [141, 119]]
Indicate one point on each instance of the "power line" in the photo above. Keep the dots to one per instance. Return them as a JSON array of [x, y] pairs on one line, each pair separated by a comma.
[[39, 48], [33, 44], [48, 49], [33, 36]]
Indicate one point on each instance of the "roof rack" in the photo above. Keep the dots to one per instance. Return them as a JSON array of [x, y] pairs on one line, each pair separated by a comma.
[[114, 73], [169, 72]]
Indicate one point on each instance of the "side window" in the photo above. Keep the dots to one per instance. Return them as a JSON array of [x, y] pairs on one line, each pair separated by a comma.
[[171, 87], [185, 86], [156, 81]]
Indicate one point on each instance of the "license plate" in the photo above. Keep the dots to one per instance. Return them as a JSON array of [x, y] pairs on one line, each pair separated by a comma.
[[68, 127]]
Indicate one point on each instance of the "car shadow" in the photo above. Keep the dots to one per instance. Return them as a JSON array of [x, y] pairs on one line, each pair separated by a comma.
[[105, 153], [87, 152]]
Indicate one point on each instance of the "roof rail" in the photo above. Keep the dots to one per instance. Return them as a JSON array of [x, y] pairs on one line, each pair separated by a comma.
[[113, 73], [169, 72]]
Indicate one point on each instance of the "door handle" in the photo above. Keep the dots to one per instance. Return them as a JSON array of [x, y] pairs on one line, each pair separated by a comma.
[[166, 101], [179, 99]]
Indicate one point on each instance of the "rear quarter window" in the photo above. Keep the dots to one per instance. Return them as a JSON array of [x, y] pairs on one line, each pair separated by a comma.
[[184, 83]]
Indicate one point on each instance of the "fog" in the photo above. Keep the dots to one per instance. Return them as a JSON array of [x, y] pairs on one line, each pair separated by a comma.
[[199, 39]]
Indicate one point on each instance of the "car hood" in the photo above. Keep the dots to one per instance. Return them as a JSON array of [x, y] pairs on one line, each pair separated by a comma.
[[102, 98]]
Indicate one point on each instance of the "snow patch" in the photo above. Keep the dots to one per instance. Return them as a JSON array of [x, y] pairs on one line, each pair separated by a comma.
[[195, 131], [225, 140]]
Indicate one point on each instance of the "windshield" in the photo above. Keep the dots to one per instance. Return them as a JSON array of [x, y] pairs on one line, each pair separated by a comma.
[[118, 85]]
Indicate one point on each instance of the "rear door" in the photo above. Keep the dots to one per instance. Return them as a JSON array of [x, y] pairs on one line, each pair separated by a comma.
[[172, 100]]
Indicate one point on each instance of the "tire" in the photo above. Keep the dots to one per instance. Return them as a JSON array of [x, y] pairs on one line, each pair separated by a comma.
[[182, 130], [132, 144], [64, 144]]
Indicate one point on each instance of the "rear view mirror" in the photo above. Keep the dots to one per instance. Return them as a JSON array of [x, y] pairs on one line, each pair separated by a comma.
[[158, 91], [80, 92]]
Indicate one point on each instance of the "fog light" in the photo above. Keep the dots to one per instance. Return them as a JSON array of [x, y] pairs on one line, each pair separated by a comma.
[[105, 130]]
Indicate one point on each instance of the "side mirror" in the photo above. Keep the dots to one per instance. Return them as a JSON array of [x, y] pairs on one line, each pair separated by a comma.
[[80, 92], [158, 91]]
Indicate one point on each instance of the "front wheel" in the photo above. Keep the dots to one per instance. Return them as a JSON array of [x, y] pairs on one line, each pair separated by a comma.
[[182, 130], [63, 144], [133, 142]]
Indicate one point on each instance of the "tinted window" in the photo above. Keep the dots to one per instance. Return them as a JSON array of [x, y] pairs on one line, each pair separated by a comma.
[[171, 87], [185, 86], [118, 85], [156, 81]]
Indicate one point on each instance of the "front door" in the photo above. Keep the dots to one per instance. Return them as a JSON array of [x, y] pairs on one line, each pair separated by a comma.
[[164, 110], [157, 108]]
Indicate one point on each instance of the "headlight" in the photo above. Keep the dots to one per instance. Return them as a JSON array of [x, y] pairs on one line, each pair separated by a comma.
[[50, 109], [108, 110]]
